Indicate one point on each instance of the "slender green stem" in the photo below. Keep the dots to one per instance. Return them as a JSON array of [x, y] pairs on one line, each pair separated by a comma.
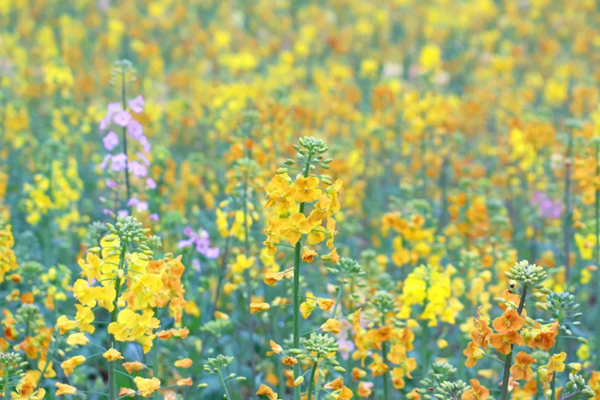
[[123, 85], [311, 382], [156, 394], [508, 360], [597, 253], [568, 217], [296, 294], [338, 299], [553, 383], [112, 379], [227, 395], [384, 353]]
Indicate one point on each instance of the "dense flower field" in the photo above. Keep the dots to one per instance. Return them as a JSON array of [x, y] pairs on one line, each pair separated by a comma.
[[300, 199]]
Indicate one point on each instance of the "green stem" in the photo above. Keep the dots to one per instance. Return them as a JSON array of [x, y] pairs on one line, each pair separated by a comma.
[[339, 298], [125, 139], [384, 353], [597, 254], [112, 379], [227, 395], [155, 358], [311, 382], [296, 294], [567, 220], [553, 383], [508, 360]]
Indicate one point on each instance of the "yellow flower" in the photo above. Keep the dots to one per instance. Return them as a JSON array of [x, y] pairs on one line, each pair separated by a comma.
[[147, 386], [65, 389], [77, 339], [184, 363], [69, 365], [112, 355], [305, 190], [297, 225], [332, 325], [258, 307]]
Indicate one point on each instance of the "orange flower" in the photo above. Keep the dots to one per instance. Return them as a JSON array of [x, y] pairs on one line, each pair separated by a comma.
[[264, 390], [291, 361], [133, 366], [503, 343], [521, 369], [509, 297], [481, 333], [308, 255], [335, 384], [185, 382], [473, 353], [477, 391], [509, 321], [275, 348], [258, 307]]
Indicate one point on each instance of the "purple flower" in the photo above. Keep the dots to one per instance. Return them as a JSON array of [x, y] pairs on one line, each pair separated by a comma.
[[104, 163], [110, 141], [145, 144], [104, 124], [345, 348], [144, 159], [133, 201], [134, 129], [138, 169], [201, 241], [213, 252], [137, 104], [547, 208], [122, 118], [141, 206], [123, 213], [196, 265], [153, 217], [111, 184], [150, 183], [118, 162], [111, 110]]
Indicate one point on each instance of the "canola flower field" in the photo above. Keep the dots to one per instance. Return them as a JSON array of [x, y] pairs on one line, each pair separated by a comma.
[[300, 199]]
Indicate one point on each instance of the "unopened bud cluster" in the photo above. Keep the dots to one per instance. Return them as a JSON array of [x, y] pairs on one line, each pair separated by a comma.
[[214, 365], [309, 155], [528, 274], [578, 387], [347, 267], [449, 390], [383, 301]]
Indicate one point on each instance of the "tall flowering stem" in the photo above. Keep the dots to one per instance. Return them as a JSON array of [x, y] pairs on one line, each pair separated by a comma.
[[568, 216], [508, 359], [596, 142], [296, 290], [530, 277], [112, 377], [285, 196], [123, 91]]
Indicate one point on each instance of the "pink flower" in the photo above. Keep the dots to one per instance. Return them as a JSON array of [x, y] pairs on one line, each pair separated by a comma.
[[138, 169], [137, 105], [134, 129], [150, 183], [111, 140], [122, 118]]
